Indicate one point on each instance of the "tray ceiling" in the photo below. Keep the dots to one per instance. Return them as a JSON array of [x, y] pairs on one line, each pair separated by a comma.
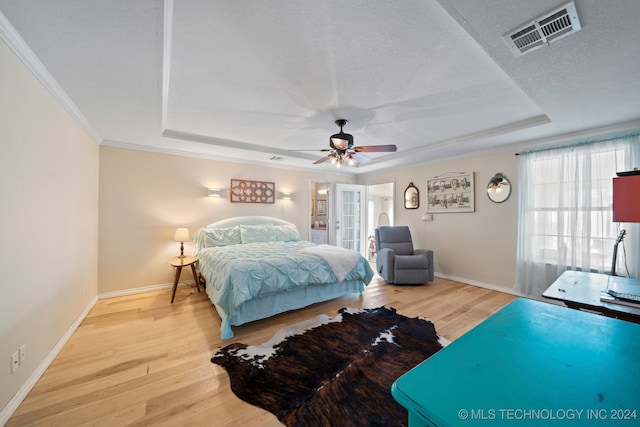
[[250, 81]]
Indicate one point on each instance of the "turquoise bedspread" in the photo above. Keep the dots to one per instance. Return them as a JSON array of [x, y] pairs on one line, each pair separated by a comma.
[[238, 273]]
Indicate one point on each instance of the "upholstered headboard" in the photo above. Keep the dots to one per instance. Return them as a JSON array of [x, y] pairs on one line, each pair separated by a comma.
[[247, 220], [245, 229]]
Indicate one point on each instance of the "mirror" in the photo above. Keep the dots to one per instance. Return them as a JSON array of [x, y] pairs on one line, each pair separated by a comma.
[[499, 188], [411, 197]]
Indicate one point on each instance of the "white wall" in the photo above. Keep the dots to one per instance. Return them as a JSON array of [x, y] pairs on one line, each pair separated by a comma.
[[145, 196], [48, 222], [477, 248]]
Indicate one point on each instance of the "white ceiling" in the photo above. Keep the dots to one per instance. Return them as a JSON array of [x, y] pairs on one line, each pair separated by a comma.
[[250, 80]]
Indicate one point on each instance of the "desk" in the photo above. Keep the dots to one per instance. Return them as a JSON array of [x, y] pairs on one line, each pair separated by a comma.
[[530, 364], [581, 290]]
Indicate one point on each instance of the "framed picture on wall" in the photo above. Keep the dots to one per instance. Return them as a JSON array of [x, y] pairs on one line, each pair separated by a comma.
[[321, 207], [451, 192], [247, 191]]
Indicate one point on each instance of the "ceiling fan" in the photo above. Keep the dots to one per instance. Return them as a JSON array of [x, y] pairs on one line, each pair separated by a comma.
[[342, 148]]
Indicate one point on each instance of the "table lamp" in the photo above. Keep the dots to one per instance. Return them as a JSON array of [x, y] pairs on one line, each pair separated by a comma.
[[626, 205], [182, 235]]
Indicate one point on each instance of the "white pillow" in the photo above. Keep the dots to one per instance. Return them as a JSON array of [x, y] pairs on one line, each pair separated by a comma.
[[286, 233], [257, 233]]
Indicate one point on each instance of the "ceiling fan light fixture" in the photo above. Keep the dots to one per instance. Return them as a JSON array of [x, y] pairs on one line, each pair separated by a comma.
[[341, 140], [496, 183], [341, 148]]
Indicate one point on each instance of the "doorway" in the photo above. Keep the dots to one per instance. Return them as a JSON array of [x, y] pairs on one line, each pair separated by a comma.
[[346, 215], [380, 211], [320, 206]]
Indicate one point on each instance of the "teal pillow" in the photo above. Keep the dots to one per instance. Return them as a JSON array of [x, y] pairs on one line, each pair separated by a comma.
[[222, 237], [286, 233], [257, 233]]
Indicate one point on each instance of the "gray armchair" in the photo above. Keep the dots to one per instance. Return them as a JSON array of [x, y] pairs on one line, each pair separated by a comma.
[[397, 261]]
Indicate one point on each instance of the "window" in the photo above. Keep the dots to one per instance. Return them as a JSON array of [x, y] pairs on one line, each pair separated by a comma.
[[566, 221]]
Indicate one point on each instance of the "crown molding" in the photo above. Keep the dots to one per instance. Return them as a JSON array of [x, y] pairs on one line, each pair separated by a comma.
[[17, 44], [186, 136], [199, 155], [517, 147], [500, 130], [579, 136]]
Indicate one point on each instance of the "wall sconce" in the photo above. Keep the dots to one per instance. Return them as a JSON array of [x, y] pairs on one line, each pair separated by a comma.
[[286, 196], [182, 235], [215, 192]]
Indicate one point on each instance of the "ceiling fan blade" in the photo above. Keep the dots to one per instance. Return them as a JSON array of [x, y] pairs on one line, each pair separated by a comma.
[[322, 160], [361, 158], [375, 148], [324, 150]]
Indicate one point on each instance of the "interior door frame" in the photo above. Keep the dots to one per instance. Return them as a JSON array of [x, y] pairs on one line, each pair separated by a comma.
[[363, 213], [329, 208], [331, 200], [372, 217]]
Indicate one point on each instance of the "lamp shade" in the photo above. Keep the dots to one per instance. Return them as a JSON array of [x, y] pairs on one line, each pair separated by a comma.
[[626, 199], [182, 235]]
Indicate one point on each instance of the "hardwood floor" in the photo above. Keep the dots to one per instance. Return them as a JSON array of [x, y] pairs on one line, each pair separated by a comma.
[[140, 360]]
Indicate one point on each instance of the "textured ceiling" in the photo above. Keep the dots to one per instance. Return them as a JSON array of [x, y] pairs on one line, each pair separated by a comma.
[[250, 80]]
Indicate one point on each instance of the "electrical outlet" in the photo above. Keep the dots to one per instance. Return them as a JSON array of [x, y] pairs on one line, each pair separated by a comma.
[[23, 354], [15, 362]]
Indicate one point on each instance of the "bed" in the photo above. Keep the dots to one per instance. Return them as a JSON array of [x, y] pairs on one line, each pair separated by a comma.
[[255, 267]]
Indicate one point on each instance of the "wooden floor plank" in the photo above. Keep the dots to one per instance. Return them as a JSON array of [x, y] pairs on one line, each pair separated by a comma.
[[140, 360]]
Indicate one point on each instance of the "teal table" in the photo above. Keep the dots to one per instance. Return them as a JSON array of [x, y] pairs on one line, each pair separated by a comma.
[[530, 364]]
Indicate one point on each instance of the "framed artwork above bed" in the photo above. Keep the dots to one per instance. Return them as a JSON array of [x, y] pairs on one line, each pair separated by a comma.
[[246, 191]]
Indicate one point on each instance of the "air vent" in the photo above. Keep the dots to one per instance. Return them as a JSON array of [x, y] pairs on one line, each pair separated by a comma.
[[545, 29]]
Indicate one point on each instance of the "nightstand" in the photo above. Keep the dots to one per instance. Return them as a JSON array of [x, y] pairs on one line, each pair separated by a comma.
[[178, 263]]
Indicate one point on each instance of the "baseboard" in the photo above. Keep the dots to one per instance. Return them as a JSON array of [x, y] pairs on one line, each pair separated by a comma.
[[142, 290], [22, 393], [17, 399], [481, 284]]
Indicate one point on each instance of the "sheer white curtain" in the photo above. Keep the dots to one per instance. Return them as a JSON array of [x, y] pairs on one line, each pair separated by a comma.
[[565, 216]]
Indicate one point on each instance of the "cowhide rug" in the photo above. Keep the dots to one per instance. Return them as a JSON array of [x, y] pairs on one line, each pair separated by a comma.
[[332, 371]]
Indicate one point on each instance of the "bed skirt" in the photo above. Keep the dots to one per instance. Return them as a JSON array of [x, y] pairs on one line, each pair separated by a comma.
[[270, 305]]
